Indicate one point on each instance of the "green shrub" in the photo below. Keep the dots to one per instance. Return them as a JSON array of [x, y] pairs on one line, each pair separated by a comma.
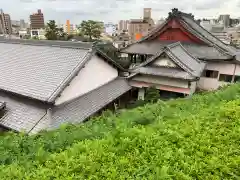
[[196, 138]]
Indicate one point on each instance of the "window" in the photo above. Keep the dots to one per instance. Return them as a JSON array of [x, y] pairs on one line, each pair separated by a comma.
[[225, 78], [237, 79], [210, 74]]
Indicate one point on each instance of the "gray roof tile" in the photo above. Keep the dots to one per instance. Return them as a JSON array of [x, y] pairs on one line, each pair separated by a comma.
[[181, 57], [148, 47], [204, 33], [85, 106], [38, 71], [199, 51], [206, 52], [20, 114], [185, 60]]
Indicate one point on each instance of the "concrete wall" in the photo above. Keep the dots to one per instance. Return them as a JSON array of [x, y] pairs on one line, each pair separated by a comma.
[[223, 68], [95, 74]]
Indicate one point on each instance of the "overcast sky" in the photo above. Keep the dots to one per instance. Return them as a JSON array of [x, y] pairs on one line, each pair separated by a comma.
[[114, 10]]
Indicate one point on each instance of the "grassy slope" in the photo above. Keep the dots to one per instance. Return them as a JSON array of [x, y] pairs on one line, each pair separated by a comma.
[[194, 138]]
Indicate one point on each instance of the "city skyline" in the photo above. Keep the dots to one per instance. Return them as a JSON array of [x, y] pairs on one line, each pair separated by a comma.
[[113, 11]]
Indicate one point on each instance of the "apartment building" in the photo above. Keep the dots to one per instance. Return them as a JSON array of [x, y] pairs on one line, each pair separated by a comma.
[[37, 20], [137, 28], [123, 25], [5, 23]]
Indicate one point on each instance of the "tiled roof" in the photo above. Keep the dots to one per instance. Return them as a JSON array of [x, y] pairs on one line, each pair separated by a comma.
[[192, 26], [199, 51], [164, 71], [185, 60], [207, 35], [87, 105], [181, 57], [38, 71], [206, 52], [32, 116], [147, 47], [21, 114]]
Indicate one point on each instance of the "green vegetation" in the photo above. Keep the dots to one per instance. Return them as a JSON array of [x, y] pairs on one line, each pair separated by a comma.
[[55, 33], [152, 94], [195, 138], [113, 53], [91, 29]]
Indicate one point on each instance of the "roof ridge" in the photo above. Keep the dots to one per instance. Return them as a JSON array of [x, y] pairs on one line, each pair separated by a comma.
[[70, 76], [179, 62], [209, 33]]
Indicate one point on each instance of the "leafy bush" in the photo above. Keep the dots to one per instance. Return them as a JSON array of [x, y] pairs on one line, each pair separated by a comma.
[[152, 94], [195, 138]]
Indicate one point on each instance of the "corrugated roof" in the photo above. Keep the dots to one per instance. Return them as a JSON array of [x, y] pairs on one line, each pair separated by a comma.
[[38, 72], [84, 107]]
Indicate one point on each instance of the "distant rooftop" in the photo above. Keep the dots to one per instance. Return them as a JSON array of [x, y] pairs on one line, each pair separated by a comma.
[[66, 44]]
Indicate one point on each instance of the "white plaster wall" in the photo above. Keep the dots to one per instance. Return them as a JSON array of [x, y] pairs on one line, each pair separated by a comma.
[[95, 74], [162, 81], [141, 93], [210, 83], [193, 87], [164, 62], [213, 83], [223, 68], [237, 73]]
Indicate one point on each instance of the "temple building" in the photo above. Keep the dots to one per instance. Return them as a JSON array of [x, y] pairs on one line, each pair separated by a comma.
[[179, 56]]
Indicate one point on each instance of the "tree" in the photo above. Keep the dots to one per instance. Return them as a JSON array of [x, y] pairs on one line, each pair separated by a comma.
[[52, 30], [152, 94], [91, 28]]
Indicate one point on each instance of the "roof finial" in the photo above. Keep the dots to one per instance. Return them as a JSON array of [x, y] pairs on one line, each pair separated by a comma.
[[176, 13], [175, 10]]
